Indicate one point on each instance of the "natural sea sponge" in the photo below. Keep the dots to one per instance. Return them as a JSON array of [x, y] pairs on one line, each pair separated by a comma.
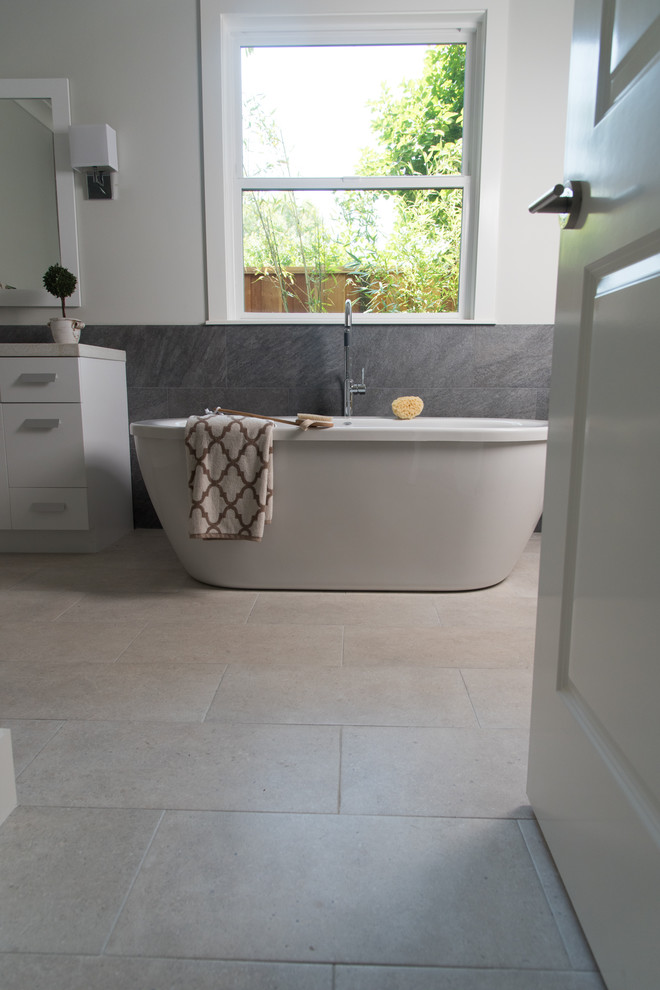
[[407, 407]]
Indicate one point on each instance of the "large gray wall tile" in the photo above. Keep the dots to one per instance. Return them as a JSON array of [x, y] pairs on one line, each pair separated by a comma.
[[515, 355], [426, 356], [275, 355]]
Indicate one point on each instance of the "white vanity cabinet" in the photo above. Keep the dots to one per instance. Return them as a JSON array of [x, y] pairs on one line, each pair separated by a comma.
[[65, 481]]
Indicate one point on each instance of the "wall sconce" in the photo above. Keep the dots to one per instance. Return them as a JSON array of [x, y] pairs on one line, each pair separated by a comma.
[[94, 151]]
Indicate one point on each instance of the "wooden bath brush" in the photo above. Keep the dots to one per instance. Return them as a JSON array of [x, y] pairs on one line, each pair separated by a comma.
[[303, 420]]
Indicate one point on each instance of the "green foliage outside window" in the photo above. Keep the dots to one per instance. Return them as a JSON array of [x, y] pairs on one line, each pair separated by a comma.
[[406, 263]]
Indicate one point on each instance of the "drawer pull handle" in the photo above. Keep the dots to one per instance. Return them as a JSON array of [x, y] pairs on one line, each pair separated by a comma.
[[44, 507], [41, 424], [37, 378]]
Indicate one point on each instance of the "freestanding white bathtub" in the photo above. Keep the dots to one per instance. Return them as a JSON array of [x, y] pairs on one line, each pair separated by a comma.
[[372, 504]]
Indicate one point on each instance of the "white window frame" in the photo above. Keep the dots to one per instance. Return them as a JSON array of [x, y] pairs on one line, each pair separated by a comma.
[[222, 37]]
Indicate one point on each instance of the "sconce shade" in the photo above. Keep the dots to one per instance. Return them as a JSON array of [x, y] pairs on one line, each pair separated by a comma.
[[93, 146]]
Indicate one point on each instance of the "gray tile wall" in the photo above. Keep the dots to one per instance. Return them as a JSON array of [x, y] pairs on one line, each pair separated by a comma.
[[457, 370]]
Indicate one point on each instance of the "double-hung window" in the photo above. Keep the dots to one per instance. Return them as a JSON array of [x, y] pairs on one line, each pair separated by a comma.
[[341, 162]]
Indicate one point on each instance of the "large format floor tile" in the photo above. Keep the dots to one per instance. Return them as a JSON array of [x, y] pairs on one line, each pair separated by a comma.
[[45, 642], [358, 695], [165, 765], [439, 646], [212, 606], [52, 972], [15, 567], [206, 641], [340, 608], [424, 978], [468, 773], [28, 738], [19, 606], [270, 790], [147, 692], [484, 610], [339, 888], [64, 874], [572, 935], [87, 575], [502, 699]]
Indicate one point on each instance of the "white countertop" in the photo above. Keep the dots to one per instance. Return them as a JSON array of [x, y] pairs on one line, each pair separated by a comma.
[[61, 350]]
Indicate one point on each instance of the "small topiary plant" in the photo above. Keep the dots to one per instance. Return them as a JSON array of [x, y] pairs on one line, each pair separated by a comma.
[[60, 282]]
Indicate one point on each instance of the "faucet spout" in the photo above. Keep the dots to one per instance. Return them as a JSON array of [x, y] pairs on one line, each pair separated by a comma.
[[351, 388], [348, 315]]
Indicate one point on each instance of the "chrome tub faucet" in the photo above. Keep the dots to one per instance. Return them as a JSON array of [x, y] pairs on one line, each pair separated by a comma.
[[351, 388]]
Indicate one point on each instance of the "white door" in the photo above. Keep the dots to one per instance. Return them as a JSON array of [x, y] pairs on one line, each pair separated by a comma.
[[594, 770]]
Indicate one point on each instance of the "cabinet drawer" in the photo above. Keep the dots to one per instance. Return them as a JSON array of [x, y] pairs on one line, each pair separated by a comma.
[[48, 508], [38, 379], [44, 445]]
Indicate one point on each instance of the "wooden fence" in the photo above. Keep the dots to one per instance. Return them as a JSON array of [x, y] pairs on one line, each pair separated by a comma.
[[267, 291], [265, 294]]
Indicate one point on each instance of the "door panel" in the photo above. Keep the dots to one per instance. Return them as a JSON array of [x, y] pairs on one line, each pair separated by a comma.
[[615, 617], [594, 769]]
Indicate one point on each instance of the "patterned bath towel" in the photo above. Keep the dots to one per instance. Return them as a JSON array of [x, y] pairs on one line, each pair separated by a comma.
[[230, 476]]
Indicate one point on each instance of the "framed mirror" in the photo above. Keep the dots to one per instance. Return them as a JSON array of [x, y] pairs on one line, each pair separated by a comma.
[[37, 193]]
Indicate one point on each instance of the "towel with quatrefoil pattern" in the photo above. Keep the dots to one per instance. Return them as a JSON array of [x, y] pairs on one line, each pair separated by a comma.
[[230, 477]]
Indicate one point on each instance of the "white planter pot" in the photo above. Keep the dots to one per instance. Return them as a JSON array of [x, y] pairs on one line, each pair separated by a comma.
[[65, 331]]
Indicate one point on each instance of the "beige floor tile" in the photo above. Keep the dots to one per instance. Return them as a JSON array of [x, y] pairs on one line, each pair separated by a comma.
[[481, 609], [339, 889], [64, 874], [15, 567], [28, 738], [534, 544], [91, 576], [54, 642], [383, 696], [56, 972], [221, 607], [439, 646], [279, 644], [340, 608], [40, 606], [523, 580], [415, 885], [464, 773], [425, 978], [205, 605], [150, 692], [502, 698], [115, 609], [562, 910], [210, 766]]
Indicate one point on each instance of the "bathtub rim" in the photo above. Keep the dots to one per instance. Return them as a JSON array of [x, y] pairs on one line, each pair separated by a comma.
[[381, 428]]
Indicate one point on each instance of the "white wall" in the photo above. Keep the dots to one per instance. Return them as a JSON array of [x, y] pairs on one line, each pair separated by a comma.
[[134, 64], [533, 158]]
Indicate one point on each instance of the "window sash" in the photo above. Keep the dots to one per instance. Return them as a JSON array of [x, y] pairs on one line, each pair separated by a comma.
[[223, 142]]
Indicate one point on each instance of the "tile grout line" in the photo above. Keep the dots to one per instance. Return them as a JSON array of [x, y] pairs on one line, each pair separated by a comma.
[[467, 691], [251, 609], [341, 750], [215, 694], [48, 741], [132, 884], [128, 645]]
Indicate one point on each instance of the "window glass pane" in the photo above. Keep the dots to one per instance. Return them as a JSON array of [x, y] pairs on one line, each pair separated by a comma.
[[352, 110], [388, 251]]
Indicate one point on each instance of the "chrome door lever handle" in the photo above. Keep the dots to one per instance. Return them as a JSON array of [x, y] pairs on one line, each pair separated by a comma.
[[564, 199]]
